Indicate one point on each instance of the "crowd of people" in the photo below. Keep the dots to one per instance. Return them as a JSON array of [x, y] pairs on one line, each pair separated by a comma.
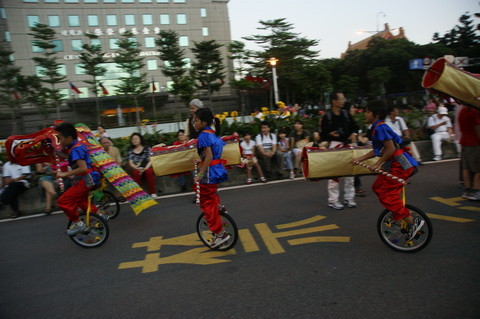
[[277, 154]]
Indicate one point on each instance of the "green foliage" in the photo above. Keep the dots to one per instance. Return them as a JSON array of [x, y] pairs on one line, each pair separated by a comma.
[[208, 67], [92, 59]]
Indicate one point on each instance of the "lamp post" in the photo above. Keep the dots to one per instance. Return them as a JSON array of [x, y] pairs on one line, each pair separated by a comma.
[[273, 63]]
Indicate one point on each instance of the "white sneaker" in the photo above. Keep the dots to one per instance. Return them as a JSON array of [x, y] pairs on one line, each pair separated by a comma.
[[292, 175], [437, 158], [154, 196], [76, 228], [350, 203], [336, 205], [219, 239]]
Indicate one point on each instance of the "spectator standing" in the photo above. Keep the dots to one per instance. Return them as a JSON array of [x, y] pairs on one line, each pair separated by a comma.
[[398, 125], [299, 137], [441, 124], [190, 131], [139, 161], [266, 143], [284, 146], [469, 120], [15, 181], [339, 128], [249, 159]]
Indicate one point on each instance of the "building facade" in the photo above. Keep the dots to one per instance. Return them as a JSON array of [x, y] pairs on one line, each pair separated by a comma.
[[193, 20]]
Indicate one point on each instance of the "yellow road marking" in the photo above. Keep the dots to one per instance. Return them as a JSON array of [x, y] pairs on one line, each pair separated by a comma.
[[475, 209], [301, 222], [248, 242], [449, 201], [155, 243], [318, 239], [450, 218]]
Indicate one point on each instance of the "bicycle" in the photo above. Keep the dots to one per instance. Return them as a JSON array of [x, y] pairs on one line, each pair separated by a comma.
[[394, 234], [97, 231], [204, 232]]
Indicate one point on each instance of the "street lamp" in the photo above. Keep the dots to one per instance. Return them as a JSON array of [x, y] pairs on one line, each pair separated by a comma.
[[273, 63]]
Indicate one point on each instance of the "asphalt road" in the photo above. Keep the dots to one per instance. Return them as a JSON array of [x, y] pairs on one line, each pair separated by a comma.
[[297, 258]]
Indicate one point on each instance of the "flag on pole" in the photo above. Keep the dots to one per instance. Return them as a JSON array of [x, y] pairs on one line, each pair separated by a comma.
[[104, 90], [154, 88], [74, 88]]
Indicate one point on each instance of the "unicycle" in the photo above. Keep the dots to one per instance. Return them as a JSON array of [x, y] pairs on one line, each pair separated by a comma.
[[228, 224], [395, 234], [107, 203], [97, 230]]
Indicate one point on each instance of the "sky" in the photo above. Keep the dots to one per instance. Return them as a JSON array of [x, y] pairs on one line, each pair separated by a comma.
[[335, 22]]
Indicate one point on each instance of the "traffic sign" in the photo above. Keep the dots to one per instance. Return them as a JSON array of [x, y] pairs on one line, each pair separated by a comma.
[[416, 64]]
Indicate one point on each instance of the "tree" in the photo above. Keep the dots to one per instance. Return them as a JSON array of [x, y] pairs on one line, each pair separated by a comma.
[[129, 60], [175, 65], [462, 36], [92, 62], [9, 94], [208, 67], [378, 77], [292, 51], [50, 69]]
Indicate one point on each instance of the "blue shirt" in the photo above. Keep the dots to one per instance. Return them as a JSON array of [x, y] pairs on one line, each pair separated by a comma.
[[382, 132], [215, 173], [78, 151]]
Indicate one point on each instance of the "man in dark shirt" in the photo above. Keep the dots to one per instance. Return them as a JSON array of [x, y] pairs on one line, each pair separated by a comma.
[[338, 128]]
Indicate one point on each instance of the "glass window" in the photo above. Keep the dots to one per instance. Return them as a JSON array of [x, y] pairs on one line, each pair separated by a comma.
[[58, 45], [54, 21], [76, 45], [39, 71], [181, 18], [111, 19], [95, 42], [92, 20], [52, 1], [183, 41], [79, 69], [179, 1], [162, 1], [62, 69], [145, 1], [152, 64], [188, 64], [12, 58], [71, 1], [30, 0], [205, 31], [90, 1], [74, 21], [149, 42], [147, 19], [165, 18], [128, 1], [203, 12], [32, 20], [35, 48], [113, 44], [3, 13], [8, 38], [129, 19], [109, 1]]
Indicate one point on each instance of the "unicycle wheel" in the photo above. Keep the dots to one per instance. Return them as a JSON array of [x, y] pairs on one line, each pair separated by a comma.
[[96, 234], [394, 234], [206, 235], [107, 204]]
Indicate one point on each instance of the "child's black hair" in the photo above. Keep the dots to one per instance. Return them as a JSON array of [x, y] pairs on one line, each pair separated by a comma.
[[180, 131], [299, 122], [204, 114], [265, 123], [247, 133], [378, 107], [66, 130], [142, 141]]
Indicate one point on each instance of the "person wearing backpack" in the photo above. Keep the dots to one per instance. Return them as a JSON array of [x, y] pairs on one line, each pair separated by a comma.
[[338, 128], [441, 124]]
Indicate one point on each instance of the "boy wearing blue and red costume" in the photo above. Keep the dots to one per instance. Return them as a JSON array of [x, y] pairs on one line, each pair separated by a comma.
[[211, 172], [85, 178], [393, 159]]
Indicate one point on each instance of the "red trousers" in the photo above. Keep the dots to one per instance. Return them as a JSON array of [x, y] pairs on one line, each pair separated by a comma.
[[149, 176], [74, 198], [209, 202], [389, 191]]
